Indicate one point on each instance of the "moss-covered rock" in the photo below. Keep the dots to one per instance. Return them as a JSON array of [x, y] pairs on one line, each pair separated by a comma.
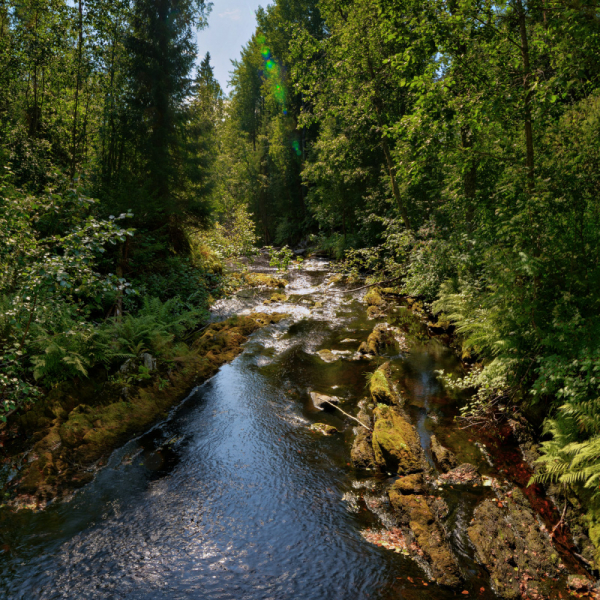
[[373, 297], [510, 543], [324, 428], [375, 312], [322, 401], [380, 386], [410, 484], [415, 512], [278, 297], [361, 454], [379, 337], [262, 280], [396, 443]]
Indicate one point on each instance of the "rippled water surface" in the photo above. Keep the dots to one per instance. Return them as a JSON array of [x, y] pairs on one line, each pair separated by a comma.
[[233, 497]]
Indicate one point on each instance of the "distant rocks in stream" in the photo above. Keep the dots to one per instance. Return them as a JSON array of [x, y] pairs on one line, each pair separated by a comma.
[[380, 337]]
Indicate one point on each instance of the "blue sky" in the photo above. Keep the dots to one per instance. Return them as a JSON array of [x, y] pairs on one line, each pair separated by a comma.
[[230, 26]]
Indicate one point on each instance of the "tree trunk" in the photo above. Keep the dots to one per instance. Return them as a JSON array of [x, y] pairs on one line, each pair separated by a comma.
[[377, 102], [530, 157], [77, 85]]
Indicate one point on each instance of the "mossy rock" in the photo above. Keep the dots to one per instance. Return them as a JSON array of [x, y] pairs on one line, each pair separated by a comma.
[[361, 454], [414, 511], [395, 443], [324, 428], [264, 280], [380, 386], [380, 336], [443, 457], [277, 297], [410, 484], [373, 297], [510, 544]]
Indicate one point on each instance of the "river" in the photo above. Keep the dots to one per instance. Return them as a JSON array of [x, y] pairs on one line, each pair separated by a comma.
[[233, 496]]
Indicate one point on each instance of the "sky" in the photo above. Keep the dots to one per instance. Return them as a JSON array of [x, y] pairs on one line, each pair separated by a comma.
[[230, 26]]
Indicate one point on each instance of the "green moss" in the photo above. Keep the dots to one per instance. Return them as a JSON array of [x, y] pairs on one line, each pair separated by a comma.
[[263, 280], [380, 386], [278, 297], [410, 484], [416, 512], [373, 297], [395, 443]]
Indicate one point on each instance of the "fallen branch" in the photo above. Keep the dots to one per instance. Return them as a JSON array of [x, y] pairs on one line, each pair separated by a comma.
[[350, 416], [368, 286]]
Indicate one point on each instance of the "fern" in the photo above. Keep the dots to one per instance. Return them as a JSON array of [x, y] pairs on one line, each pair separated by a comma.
[[572, 454]]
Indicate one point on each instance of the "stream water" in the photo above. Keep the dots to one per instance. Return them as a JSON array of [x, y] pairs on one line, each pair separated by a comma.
[[233, 496]]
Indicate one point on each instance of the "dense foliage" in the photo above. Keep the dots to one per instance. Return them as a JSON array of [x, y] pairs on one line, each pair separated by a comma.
[[107, 147], [455, 144]]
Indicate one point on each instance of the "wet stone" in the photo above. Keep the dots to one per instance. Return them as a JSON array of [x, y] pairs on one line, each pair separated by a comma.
[[445, 458], [414, 511], [328, 356], [361, 454], [410, 484], [321, 401], [324, 428], [465, 474]]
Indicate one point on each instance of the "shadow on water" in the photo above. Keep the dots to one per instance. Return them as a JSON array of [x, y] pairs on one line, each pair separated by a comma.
[[234, 496]]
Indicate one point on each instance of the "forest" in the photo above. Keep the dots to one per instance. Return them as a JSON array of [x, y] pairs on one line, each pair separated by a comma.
[[450, 148]]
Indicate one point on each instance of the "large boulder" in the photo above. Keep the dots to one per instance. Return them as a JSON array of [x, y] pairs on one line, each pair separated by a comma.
[[396, 443], [510, 543]]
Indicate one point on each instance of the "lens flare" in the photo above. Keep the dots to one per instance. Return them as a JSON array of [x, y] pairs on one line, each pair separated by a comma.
[[273, 73]]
